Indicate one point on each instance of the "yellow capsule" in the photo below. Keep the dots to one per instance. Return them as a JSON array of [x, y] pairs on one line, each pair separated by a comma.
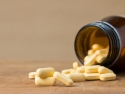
[[76, 77], [92, 69], [96, 47], [32, 74], [90, 52], [92, 76], [107, 76], [91, 60], [75, 65], [66, 71], [75, 71], [103, 70], [45, 72], [86, 58], [101, 52], [62, 78], [48, 81], [101, 58], [81, 69]]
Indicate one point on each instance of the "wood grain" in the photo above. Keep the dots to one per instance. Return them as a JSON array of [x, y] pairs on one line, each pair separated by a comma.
[[14, 79]]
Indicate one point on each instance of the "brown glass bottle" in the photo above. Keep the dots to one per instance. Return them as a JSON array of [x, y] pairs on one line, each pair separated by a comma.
[[110, 31]]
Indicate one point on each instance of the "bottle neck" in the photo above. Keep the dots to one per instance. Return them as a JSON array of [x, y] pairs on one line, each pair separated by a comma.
[[113, 40]]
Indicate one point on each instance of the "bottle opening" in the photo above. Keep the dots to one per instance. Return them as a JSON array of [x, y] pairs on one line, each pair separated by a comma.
[[87, 37], [97, 33]]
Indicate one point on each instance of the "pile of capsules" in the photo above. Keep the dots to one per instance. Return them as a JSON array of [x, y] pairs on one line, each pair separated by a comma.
[[96, 55], [89, 71]]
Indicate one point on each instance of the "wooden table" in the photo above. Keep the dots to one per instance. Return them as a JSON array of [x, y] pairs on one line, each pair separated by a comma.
[[14, 80]]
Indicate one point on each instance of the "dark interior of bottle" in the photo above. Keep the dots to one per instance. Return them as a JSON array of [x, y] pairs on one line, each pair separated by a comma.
[[88, 36]]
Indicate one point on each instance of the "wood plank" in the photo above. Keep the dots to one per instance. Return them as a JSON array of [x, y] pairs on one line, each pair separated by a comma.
[[14, 79]]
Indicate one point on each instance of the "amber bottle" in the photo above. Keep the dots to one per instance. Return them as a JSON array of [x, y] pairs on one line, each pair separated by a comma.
[[110, 31]]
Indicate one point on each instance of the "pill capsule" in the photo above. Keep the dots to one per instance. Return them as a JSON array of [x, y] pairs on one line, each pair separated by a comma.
[[81, 69], [45, 72], [91, 60], [86, 58], [96, 47], [101, 52], [75, 65], [92, 69], [66, 71], [32, 74], [76, 71], [90, 52], [73, 71], [76, 77], [103, 70], [62, 78], [92, 76], [48, 81], [101, 58], [107, 76]]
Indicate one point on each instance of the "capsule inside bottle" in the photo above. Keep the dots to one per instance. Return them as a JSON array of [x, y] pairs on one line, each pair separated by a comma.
[[87, 39]]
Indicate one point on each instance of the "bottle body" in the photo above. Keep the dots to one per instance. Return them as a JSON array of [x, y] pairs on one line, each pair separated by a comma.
[[110, 31]]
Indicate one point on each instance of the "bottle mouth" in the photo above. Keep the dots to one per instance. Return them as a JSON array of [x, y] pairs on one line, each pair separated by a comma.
[[98, 33]]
